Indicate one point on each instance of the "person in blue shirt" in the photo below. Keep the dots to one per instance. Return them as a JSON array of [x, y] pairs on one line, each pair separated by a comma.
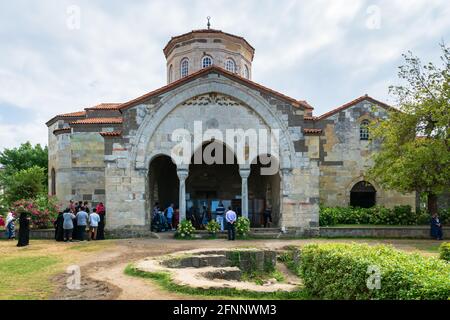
[[82, 221], [169, 216]]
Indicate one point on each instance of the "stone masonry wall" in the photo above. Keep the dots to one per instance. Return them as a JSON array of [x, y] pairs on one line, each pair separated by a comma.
[[345, 158], [126, 177]]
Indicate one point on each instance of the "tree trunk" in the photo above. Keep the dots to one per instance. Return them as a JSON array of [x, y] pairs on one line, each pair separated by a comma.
[[432, 203]]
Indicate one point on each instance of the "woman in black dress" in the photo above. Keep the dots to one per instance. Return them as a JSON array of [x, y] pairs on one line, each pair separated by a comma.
[[24, 231], [59, 230]]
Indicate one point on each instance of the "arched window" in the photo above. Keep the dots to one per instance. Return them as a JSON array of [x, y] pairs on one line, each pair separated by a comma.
[[363, 195], [170, 76], [184, 67], [53, 182], [246, 72], [230, 66], [364, 130], [207, 62]]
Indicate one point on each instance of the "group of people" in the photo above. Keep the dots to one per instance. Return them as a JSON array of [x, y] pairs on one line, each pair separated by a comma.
[[77, 222], [165, 220]]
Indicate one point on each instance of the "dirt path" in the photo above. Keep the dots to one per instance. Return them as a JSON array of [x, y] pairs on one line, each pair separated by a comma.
[[102, 276]]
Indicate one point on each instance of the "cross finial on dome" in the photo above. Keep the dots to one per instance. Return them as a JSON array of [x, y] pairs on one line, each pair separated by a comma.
[[209, 23]]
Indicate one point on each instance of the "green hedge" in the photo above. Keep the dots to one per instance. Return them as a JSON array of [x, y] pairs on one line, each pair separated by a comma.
[[340, 271], [444, 251], [400, 215]]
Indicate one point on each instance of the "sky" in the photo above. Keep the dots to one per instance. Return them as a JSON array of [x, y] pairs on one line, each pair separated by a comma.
[[63, 56]]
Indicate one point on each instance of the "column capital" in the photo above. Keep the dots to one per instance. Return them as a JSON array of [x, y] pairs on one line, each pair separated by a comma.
[[182, 174], [244, 173]]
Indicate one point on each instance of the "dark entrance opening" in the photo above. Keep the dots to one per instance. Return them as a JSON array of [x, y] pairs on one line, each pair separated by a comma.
[[208, 183], [163, 182], [264, 191], [363, 195]]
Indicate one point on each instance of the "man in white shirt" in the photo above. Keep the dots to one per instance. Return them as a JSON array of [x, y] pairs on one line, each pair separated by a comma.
[[94, 219], [231, 217]]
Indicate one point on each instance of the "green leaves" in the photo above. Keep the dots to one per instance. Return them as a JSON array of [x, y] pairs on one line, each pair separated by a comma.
[[444, 251], [340, 271], [24, 184], [242, 226], [415, 149]]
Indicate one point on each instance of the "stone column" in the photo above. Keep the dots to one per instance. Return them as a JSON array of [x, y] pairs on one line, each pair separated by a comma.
[[182, 175], [245, 173]]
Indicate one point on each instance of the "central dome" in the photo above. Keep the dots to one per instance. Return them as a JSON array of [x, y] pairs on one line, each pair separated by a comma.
[[198, 49]]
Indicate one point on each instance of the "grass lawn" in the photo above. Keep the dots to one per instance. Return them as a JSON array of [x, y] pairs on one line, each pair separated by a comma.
[[26, 273]]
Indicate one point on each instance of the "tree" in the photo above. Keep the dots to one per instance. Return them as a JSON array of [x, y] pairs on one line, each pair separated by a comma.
[[24, 157], [415, 148], [24, 184]]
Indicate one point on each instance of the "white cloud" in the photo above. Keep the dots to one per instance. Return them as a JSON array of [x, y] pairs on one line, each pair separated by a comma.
[[321, 51]]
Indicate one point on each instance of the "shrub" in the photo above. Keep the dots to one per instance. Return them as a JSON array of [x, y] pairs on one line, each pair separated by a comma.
[[378, 215], [41, 210], [242, 226], [444, 251], [185, 230], [340, 271], [213, 227]]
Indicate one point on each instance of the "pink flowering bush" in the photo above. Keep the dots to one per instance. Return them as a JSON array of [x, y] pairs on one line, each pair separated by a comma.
[[42, 210]]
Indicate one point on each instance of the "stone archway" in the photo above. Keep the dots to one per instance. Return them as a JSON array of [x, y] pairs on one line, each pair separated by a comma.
[[163, 182], [363, 195], [260, 107], [264, 185], [211, 181]]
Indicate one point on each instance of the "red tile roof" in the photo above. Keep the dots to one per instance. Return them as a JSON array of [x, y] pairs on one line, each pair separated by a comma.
[[205, 71], [105, 106], [111, 134], [73, 114], [352, 103], [113, 120], [312, 131]]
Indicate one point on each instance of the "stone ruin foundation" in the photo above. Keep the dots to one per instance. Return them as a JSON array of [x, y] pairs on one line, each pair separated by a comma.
[[218, 269]]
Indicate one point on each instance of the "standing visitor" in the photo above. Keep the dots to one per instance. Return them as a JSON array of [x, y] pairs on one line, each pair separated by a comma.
[[101, 211], [82, 220], [231, 217], [68, 218], [436, 227], [176, 218], [268, 217], [10, 226], [170, 216], [86, 207], [71, 206], [24, 230], [94, 220], [220, 211], [74, 211], [205, 217], [59, 228]]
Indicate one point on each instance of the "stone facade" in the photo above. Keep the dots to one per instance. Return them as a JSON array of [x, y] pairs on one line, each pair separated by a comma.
[[106, 153]]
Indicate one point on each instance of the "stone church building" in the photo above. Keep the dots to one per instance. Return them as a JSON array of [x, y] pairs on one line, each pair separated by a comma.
[[121, 153]]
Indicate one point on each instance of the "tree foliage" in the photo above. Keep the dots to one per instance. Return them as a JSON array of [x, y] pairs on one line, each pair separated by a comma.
[[24, 157], [415, 148], [24, 184]]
